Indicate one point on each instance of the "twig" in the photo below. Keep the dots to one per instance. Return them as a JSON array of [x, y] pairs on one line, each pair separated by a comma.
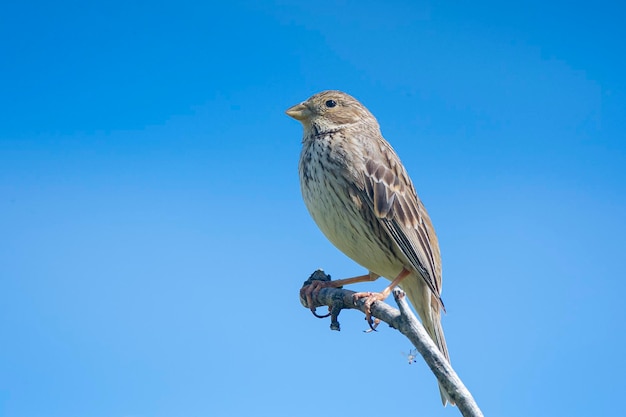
[[406, 323]]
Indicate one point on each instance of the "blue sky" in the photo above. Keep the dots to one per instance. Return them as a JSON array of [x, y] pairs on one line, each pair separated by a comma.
[[153, 238]]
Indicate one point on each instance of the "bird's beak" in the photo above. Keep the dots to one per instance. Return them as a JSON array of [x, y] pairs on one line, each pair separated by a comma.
[[299, 112]]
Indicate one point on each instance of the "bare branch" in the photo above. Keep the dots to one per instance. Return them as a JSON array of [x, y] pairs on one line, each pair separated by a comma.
[[405, 322]]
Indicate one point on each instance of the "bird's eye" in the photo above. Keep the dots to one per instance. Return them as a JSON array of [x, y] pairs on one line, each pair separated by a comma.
[[331, 103]]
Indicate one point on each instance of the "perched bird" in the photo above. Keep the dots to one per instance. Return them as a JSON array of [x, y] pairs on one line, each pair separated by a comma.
[[361, 197]]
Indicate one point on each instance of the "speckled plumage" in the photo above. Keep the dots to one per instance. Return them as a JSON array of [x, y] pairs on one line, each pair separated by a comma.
[[361, 197]]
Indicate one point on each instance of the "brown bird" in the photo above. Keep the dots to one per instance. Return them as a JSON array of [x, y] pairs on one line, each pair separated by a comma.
[[361, 197]]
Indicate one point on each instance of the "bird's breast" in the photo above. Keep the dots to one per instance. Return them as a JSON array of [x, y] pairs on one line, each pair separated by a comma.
[[333, 199]]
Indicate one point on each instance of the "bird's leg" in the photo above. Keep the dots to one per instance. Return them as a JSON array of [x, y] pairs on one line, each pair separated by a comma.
[[371, 297], [315, 286]]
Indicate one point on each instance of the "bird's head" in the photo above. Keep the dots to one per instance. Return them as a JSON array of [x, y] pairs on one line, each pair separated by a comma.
[[330, 111]]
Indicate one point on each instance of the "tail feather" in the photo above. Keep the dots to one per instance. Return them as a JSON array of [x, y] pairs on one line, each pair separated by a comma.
[[440, 341], [428, 308]]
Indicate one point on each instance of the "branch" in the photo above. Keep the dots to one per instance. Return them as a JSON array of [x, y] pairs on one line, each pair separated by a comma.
[[406, 323]]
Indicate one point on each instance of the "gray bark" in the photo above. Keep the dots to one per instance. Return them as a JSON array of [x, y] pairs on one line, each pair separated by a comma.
[[405, 322]]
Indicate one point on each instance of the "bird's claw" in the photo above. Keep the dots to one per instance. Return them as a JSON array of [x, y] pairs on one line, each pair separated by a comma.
[[370, 298], [317, 315], [307, 292], [373, 324]]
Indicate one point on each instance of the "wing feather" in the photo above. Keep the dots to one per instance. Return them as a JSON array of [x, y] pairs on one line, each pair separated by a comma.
[[389, 190]]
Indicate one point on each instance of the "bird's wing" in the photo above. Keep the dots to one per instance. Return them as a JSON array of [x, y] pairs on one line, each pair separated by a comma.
[[390, 192]]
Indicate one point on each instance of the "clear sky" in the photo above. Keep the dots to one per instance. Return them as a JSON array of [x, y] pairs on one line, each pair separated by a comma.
[[153, 238]]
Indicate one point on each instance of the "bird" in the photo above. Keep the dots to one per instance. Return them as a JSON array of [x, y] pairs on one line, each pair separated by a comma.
[[361, 197]]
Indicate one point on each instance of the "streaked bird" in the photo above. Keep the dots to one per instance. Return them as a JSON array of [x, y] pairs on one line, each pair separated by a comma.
[[361, 197]]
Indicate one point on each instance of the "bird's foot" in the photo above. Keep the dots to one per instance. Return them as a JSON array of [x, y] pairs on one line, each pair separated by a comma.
[[307, 292], [370, 298]]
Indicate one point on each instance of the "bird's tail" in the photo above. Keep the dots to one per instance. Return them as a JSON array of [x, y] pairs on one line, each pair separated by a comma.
[[428, 308]]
